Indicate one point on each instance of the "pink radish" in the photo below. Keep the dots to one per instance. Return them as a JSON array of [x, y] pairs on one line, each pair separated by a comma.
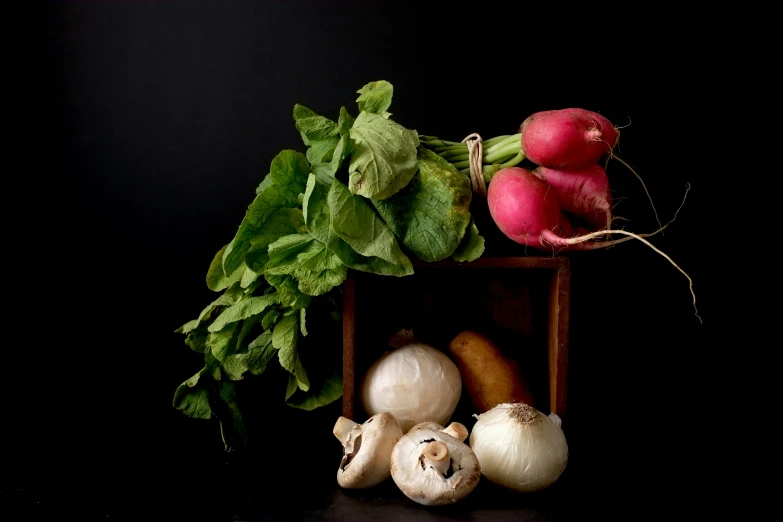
[[567, 138], [526, 209], [583, 192]]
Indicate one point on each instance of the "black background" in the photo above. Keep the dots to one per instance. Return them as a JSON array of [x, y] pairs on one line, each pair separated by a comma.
[[146, 128]]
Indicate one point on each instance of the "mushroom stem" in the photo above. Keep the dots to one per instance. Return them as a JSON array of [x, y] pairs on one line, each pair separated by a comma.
[[436, 454], [343, 428], [457, 430]]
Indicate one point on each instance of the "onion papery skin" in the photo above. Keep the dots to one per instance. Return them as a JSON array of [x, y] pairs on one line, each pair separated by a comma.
[[519, 448]]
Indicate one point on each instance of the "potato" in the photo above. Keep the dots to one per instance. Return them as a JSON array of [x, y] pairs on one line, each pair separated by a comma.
[[489, 377]]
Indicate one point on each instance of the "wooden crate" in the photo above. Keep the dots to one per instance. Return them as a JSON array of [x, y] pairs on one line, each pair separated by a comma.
[[522, 303]]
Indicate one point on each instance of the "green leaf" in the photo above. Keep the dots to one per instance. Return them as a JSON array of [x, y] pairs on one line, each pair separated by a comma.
[[355, 221], [472, 245], [431, 214], [197, 340], [345, 122], [283, 252], [187, 327], [228, 298], [247, 327], [269, 319], [288, 290], [316, 269], [384, 156], [376, 97], [248, 277], [285, 337], [235, 366], [256, 258], [216, 278], [291, 387], [279, 223], [302, 326], [192, 397], [222, 343], [242, 310], [267, 181], [322, 151], [326, 171], [320, 134], [319, 273], [374, 265], [318, 220], [259, 354], [316, 210], [323, 392], [313, 127], [288, 172]]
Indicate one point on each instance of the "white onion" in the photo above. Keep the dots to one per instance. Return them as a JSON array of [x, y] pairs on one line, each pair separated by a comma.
[[519, 447], [415, 383]]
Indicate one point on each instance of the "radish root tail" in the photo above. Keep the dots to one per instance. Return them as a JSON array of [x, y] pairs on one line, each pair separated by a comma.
[[618, 158], [578, 240], [587, 237]]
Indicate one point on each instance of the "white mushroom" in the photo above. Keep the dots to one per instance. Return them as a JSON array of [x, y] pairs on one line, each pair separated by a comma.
[[433, 467], [367, 449]]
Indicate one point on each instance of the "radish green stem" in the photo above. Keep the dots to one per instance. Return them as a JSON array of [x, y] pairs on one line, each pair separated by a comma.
[[516, 139], [494, 141], [497, 153], [507, 150], [516, 160]]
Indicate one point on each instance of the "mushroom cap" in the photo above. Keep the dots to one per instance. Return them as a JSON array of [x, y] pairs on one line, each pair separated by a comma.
[[367, 452], [424, 484]]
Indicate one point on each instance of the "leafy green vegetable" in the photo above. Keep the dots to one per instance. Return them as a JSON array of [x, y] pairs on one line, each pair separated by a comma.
[[326, 171], [430, 214], [472, 245], [376, 97], [288, 172], [325, 391], [228, 298], [356, 223], [197, 340], [260, 353], [288, 288], [285, 338], [242, 310], [270, 318], [318, 217], [223, 342], [313, 127], [216, 278], [254, 360], [366, 193], [192, 397], [384, 157]]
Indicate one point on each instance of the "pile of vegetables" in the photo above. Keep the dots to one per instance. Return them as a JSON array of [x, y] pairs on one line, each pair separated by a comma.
[[369, 194], [413, 389]]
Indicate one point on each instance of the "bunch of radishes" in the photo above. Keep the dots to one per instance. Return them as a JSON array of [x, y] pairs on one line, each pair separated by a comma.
[[535, 208]]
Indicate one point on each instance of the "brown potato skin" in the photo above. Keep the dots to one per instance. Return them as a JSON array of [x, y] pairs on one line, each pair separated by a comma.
[[489, 377]]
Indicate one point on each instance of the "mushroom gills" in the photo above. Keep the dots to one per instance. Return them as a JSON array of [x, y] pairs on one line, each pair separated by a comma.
[[351, 450]]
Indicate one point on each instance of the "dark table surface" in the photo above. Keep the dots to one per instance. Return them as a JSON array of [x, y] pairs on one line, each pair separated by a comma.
[[598, 484]]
